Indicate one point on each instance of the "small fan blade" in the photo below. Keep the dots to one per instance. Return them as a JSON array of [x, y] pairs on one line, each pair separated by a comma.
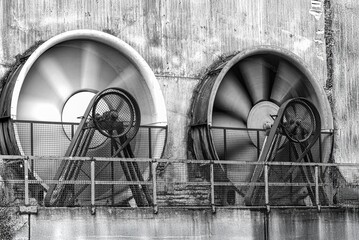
[[255, 73], [287, 83], [290, 113], [232, 98]]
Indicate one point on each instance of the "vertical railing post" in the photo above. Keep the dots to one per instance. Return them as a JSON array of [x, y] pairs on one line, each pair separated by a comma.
[[258, 144], [26, 177], [225, 143], [149, 143], [154, 164], [93, 210], [320, 148], [32, 145], [212, 186], [316, 179], [266, 187]]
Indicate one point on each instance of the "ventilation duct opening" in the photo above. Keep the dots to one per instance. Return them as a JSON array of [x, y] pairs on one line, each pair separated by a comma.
[[242, 94], [55, 85]]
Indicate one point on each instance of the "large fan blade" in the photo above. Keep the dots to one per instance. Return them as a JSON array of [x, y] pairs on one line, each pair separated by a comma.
[[225, 120], [255, 73], [91, 66], [235, 145], [232, 98], [287, 83], [245, 153], [126, 78], [44, 111]]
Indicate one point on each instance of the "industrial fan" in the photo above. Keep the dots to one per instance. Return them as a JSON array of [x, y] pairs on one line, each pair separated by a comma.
[[115, 114], [236, 102], [50, 88]]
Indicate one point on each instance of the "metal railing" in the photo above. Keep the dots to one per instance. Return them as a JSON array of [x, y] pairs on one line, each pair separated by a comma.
[[331, 184]]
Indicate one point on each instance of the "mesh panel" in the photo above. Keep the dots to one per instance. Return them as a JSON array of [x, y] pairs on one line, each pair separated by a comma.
[[53, 139], [290, 183], [116, 114]]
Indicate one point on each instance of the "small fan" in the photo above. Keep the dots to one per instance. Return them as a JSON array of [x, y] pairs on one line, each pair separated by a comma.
[[299, 122], [116, 115]]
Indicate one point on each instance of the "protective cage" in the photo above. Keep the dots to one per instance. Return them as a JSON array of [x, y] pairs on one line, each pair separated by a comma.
[[48, 91], [239, 99]]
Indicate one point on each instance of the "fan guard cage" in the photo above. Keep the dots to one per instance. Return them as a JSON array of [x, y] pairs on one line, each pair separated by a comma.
[[116, 114], [299, 122]]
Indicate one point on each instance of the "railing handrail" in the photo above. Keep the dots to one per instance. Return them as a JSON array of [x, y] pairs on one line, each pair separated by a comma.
[[210, 183], [179, 160]]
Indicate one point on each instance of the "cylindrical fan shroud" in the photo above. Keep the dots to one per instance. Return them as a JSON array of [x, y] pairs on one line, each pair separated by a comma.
[[244, 91], [70, 63]]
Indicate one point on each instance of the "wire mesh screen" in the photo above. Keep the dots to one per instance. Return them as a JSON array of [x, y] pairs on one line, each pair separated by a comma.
[[43, 138], [281, 181], [53, 139], [240, 179], [123, 183], [346, 184]]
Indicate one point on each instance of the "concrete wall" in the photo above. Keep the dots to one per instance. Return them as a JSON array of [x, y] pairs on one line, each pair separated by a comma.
[[113, 223], [179, 39], [345, 61]]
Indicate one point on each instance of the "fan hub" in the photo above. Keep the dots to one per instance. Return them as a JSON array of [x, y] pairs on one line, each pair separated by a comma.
[[260, 116], [75, 105]]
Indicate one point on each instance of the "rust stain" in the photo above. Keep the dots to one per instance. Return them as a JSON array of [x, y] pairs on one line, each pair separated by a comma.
[[316, 8]]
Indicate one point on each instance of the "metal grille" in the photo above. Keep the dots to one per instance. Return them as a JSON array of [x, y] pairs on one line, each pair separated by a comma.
[[53, 138], [116, 114]]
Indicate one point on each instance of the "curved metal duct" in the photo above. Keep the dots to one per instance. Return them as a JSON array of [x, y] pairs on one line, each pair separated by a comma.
[[56, 84], [241, 94]]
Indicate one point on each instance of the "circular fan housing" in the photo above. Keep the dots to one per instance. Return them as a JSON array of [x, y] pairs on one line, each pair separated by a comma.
[[243, 94], [61, 76], [55, 85]]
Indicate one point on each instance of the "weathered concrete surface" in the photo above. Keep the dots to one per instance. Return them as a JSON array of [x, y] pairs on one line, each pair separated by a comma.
[[115, 223], [178, 39], [112, 223], [345, 78], [310, 224]]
